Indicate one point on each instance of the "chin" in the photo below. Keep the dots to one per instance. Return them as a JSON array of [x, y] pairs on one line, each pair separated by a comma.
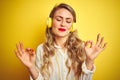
[[65, 35]]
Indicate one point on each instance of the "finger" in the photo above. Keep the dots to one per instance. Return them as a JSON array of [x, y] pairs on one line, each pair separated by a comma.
[[30, 51], [98, 39], [104, 46], [86, 43], [22, 47], [101, 42], [89, 43], [92, 44], [27, 50], [33, 51], [17, 54], [18, 49]]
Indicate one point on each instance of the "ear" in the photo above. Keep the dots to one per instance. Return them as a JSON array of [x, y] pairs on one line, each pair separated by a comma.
[[49, 22]]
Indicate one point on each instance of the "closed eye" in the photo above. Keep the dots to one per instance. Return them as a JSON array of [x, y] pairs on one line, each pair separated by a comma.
[[58, 19], [68, 21]]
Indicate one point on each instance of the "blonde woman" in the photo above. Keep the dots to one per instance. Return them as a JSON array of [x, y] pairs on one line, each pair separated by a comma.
[[63, 56]]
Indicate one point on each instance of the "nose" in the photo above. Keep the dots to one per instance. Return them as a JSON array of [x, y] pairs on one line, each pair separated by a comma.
[[63, 23]]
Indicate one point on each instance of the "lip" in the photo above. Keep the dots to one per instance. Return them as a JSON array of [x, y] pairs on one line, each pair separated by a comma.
[[61, 29]]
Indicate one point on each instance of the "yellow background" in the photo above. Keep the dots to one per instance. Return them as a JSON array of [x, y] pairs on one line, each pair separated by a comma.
[[25, 20]]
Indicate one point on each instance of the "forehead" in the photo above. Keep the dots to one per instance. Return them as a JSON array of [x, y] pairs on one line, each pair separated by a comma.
[[63, 13]]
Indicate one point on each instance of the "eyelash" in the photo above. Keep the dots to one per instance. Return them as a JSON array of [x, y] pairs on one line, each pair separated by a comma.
[[58, 19], [66, 21]]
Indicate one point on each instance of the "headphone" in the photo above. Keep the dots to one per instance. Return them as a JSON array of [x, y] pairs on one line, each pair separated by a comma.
[[49, 24]]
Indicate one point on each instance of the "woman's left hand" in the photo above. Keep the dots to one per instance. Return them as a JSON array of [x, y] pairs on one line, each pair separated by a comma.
[[93, 50]]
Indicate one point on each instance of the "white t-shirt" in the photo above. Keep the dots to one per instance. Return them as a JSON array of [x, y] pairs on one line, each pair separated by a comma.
[[60, 70]]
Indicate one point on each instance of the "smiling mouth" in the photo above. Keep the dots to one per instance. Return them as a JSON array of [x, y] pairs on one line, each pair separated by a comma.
[[62, 29]]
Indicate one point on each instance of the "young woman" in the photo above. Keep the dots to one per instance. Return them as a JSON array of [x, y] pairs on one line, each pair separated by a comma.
[[63, 56]]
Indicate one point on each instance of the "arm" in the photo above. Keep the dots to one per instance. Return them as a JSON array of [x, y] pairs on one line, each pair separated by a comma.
[[86, 73], [34, 73]]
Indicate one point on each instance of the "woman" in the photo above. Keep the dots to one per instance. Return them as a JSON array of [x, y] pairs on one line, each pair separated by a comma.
[[63, 56]]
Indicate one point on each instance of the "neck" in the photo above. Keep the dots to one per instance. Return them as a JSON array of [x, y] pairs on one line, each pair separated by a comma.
[[60, 41]]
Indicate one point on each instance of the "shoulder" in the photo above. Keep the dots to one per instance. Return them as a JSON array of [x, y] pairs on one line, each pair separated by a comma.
[[39, 53], [40, 46], [39, 50]]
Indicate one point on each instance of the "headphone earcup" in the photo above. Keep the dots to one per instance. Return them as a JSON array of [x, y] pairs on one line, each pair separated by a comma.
[[49, 22], [73, 27]]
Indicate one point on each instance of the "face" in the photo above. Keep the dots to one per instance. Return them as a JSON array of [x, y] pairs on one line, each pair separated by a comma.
[[62, 22]]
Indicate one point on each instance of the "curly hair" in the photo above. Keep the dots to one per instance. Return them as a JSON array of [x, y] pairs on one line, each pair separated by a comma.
[[74, 46]]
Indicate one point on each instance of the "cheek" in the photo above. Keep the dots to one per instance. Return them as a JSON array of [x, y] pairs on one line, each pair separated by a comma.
[[69, 26], [54, 27], [55, 23]]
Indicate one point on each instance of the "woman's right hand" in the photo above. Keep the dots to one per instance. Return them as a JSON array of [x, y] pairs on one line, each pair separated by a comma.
[[26, 56]]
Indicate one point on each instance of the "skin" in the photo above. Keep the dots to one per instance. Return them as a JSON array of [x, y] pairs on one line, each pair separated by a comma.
[[62, 19], [93, 50]]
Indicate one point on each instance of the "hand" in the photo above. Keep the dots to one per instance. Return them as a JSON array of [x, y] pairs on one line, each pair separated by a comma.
[[93, 50], [26, 56]]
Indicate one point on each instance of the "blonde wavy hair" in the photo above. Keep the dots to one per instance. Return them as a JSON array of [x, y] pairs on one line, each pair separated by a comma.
[[74, 46]]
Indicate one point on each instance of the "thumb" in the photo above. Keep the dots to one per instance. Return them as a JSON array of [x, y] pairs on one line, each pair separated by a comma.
[[30, 51]]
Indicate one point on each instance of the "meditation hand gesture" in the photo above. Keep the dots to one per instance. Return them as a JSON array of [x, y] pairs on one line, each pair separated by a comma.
[[26, 56], [93, 50]]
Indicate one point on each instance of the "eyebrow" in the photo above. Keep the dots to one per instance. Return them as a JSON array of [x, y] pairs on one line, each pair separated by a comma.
[[61, 17]]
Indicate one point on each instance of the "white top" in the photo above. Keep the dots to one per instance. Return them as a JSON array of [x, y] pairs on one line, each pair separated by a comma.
[[60, 70]]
